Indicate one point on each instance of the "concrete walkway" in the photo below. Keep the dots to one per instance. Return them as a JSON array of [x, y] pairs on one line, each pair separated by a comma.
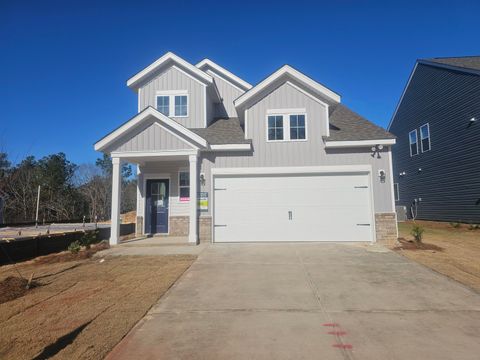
[[308, 301]]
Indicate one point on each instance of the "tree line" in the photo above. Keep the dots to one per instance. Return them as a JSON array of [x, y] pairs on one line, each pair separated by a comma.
[[68, 191]]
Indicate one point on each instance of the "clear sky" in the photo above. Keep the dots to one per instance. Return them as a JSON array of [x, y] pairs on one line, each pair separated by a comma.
[[64, 63]]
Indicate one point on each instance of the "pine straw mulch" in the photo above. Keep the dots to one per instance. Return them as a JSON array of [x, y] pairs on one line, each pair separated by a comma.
[[80, 308]]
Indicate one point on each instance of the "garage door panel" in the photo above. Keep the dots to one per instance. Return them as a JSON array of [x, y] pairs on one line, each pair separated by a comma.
[[333, 207]]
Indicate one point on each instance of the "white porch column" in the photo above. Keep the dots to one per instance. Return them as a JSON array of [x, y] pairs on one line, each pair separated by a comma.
[[116, 194], [193, 231]]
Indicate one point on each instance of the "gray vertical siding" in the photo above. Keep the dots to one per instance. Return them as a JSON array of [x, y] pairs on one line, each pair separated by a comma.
[[449, 180], [152, 137], [303, 153], [381, 190], [228, 92], [173, 79]]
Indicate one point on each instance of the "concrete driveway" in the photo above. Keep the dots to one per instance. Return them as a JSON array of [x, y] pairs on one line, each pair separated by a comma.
[[308, 301]]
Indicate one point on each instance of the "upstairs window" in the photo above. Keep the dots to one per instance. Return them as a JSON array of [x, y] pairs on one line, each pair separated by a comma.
[[286, 125], [396, 192], [163, 105], [425, 137], [184, 185], [412, 136], [297, 127], [173, 103], [275, 127], [181, 105]]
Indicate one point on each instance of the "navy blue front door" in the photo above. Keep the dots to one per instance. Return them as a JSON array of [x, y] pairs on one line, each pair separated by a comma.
[[157, 206]]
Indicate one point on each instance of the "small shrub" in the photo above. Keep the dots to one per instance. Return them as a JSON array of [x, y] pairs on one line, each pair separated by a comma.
[[417, 233], [74, 247], [89, 238], [455, 225], [474, 227]]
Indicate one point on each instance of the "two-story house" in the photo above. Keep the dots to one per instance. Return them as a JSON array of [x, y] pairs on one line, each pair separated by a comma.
[[436, 161], [226, 161]]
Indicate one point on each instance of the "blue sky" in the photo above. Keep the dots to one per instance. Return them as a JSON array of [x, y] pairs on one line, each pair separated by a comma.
[[64, 63]]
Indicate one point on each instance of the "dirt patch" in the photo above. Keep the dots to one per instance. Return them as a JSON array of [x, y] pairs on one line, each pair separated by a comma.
[[65, 256], [83, 308], [412, 245], [459, 254], [14, 287]]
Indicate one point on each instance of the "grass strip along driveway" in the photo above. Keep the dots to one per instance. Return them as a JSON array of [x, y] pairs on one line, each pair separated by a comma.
[[82, 309]]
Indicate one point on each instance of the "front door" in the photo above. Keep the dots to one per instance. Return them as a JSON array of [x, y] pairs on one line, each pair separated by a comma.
[[157, 206]]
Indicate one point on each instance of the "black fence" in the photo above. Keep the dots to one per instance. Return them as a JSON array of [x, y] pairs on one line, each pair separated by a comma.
[[32, 246]]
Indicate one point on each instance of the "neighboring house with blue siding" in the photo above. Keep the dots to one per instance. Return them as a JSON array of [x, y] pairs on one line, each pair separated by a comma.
[[436, 161], [224, 161]]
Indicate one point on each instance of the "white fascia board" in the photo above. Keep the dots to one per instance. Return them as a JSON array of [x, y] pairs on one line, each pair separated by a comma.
[[293, 170], [358, 143], [169, 56], [150, 154], [288, 70], [150, 111], [231, 147], [230, 77], [403, 94]]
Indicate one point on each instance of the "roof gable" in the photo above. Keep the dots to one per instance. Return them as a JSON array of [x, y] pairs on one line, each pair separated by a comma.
[[287, 73], [167, 60], [148, 116], [207, 64]]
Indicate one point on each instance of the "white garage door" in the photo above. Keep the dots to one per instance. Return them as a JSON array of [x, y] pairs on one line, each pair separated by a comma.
[[303, 207]]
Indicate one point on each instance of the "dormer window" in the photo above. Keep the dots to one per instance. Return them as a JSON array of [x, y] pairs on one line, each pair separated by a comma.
[[286, 125], [173, 103]]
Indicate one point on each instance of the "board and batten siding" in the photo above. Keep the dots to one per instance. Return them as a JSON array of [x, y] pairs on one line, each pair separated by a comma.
[[361, 156], [449, 180], [228, 93], [299, 153], [174, 79], [152, 137]]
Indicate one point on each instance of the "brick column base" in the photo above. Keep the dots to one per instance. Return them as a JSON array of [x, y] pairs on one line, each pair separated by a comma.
[[386, 228], [139, 226], [205, 229]]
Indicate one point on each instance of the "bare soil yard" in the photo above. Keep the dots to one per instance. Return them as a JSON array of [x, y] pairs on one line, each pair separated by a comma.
[[80, 309], [454, 252]]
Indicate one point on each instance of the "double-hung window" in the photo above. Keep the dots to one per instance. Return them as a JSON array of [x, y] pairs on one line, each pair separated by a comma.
[[173, 104], [287, 126], [412, 137], [181, 105], [184, 185], [163, 105], [297, 127], [425, 137], [275, 127]]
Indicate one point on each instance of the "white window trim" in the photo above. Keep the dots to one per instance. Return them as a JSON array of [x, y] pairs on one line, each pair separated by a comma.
[[421, 139], [410, 142], [396, 192], [286, 124], [172, 94], [183, 171]]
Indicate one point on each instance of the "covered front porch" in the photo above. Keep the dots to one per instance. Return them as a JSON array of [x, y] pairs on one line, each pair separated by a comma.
[[166, 154], [167, 186]]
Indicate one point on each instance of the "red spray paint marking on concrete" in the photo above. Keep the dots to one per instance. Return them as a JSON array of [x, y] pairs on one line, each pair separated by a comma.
[[343, 346], [331, 324], [338, 333]]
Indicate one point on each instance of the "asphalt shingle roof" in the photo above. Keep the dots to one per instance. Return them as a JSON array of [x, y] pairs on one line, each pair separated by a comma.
[[346, 125], [468, 62], [223, 131]]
